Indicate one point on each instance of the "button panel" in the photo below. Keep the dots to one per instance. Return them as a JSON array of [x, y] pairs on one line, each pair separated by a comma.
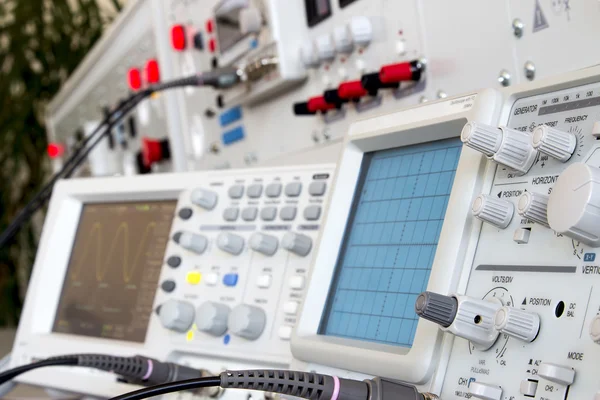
[[259, 227]]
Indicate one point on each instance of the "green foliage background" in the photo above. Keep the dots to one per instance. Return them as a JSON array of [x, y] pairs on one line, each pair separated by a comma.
[[41, 44]]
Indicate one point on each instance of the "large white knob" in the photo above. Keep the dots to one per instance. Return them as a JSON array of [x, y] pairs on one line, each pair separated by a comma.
[[485, 391], [483, 138], [247, 321], [474, 321], [206, 199], [177, 315], [297, 243], [493, 211], [522, 325], [191, 241], [325, 48], [534, 206], [230, 243], [250, 20], [212, 318], [553, 142], [265, 244], [504, 145], [595, 329], [343, 40], [574, 205], [308, 54], [361, 30]]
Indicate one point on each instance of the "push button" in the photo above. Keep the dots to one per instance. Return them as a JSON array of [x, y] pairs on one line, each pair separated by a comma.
[[185, 213], [174, 261], [521, 235], [293, 189], [529, 388], [193, 277], [236, 192], [285, 332], [268, 213], [212, 279], [297, 282], [168, 286], [274, 190], [231, 214], [255, 191], [291, 307], [312, 213], [249, 214], [230, 280], [288, 213], [317, 188], [264, 281]]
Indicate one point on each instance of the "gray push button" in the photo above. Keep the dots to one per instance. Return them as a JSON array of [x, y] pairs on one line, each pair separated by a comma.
[[293, 189], [268, 213], [288, 213], [185, 213], [317, 188], [249, 214], [168, 286], [236, 192], [231, 214], [254, 191], [174, 261], [312, 213], [274, 190]]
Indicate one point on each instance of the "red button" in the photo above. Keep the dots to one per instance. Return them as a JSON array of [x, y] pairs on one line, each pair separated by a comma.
[[55, 150], [134, 79], [210, 26], [212, 45], [178, 37], [394, 73], [351, 90], [319, 104], [152, 151], [152, 71]]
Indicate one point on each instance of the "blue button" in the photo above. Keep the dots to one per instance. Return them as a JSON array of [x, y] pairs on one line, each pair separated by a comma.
[[230, 279], [226, 339], [230, 116], [253, 44], [233, 136]]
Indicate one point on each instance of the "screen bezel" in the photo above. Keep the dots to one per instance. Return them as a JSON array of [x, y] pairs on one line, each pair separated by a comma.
[[436, 121]]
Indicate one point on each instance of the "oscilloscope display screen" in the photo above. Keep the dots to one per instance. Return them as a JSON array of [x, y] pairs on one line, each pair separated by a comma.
[[114, 269]]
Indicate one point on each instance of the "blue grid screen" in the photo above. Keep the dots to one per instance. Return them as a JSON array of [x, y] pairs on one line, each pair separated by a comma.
[[390, 242]]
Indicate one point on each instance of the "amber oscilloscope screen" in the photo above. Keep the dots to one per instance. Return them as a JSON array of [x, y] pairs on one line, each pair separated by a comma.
[[114, 269]]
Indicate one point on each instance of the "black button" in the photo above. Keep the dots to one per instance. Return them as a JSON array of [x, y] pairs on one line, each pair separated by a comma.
[[220, 101], [157, 310], [168, 286], [215, 62], [174, 261], [186, 213], [198, 41], [177, 237]]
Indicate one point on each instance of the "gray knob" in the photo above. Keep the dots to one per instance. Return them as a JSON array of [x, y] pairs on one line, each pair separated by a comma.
[[191, 241], [265, 244], [297, 243], [247, 321], [212, 318], [436, 308], [177, 315], [206, 199], [230, 243]]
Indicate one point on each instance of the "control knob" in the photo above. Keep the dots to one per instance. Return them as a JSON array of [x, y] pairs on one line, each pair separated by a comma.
[[493, 211], [297, 243], [206, 199], [212, 318], [534, 206], [554, 142], [177, 315], [504, 145], [191, 241], [265, 244], [595, 329], [230, 243], [574, 205], [520, 324], [466, 317], [247, 321]]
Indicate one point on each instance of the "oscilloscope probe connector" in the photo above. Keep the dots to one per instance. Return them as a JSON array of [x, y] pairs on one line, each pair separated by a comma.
[[306, 385]]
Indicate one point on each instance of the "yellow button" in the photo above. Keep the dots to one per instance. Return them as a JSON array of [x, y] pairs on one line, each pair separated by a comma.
[[193, 277], [190, 336]]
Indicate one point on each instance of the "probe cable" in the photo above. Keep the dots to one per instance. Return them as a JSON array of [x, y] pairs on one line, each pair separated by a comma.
[[138, 370], [311, 386], [219, 78]]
